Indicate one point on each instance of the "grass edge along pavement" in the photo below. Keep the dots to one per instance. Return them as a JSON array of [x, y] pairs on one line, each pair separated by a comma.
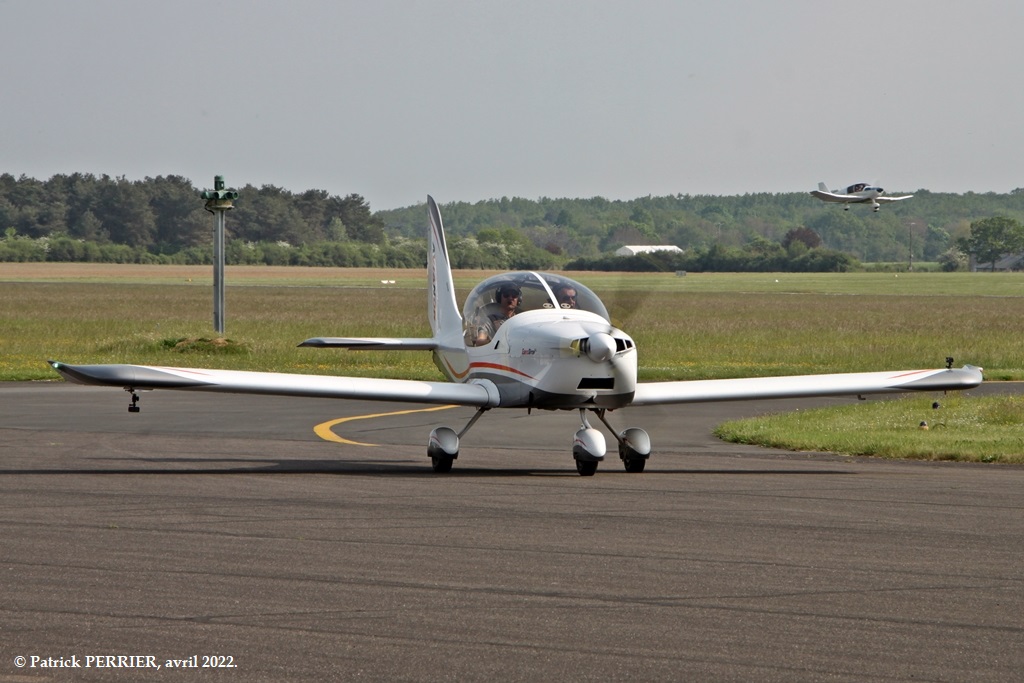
[[986, 429]]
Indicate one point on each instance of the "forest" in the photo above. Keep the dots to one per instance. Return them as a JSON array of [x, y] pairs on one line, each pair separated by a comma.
[[85, 217]]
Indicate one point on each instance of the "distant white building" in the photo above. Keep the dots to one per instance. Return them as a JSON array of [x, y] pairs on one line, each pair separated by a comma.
[[634, 249]]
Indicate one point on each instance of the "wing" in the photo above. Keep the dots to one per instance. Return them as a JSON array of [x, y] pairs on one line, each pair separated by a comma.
[[138, 377], [884, 199], [833, 197], [847, 384], [373, 343]]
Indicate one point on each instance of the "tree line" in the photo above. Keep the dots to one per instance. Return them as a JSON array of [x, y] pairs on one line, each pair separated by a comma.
[[82, 217]]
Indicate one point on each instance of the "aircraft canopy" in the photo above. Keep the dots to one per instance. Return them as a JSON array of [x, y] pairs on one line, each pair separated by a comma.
[[539, 291]]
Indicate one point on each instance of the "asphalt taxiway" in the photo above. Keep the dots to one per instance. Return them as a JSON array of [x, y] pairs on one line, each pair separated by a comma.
[[213, 525]]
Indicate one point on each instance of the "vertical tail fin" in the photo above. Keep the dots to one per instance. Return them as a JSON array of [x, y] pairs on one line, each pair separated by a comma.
[[442, 309], [823, 187]]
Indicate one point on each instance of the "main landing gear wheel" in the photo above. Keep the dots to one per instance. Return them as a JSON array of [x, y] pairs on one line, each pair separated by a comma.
[[634, 465], [442, 449], [443, 445], [634, 449], [442, 465], [586, 468]]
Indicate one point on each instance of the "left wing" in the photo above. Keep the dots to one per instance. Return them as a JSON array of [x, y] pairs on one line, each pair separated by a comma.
[[139, 377], [892, 199], [800, 386]]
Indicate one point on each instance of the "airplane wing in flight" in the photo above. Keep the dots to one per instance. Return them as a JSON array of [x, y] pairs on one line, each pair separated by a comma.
[[833, 197]]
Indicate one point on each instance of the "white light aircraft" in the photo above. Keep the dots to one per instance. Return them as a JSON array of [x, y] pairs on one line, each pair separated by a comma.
[[858, 193], [557, 351]]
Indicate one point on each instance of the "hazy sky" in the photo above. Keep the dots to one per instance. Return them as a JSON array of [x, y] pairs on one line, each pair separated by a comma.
[[476, 100]]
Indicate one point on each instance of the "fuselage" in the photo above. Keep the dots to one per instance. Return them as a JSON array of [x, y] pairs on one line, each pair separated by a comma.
[[546, 355]]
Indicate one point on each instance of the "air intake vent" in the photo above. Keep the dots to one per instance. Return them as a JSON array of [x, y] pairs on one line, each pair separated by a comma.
[[597, 383]]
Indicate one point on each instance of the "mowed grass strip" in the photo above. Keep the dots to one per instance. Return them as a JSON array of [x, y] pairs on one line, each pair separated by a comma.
[[976, 429], [886, 284]]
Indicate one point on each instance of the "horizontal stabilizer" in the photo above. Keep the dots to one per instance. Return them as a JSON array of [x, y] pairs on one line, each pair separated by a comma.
[[372, 343]]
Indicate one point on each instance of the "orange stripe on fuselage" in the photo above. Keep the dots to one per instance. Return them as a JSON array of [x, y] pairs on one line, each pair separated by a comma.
[[455, 373], [496, 366], [482, 364]]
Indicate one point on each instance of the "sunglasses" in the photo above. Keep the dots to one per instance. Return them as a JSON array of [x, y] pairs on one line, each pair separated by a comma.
[[511, 295]]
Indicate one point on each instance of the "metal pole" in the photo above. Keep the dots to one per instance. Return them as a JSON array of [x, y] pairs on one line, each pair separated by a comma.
[[910, 246], [218, 201], [218, 272]]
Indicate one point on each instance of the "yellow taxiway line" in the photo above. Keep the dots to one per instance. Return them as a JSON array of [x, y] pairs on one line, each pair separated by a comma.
[[324, 431]]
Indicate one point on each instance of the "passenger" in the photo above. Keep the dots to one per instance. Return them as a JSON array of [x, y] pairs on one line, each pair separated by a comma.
[[507, 299], [566, 295]]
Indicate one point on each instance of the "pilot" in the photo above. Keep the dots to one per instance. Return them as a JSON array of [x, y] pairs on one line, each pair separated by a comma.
[[566, 295], [507, 298]]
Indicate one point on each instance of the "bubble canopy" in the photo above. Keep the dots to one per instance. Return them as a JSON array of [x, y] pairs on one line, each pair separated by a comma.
[[539, 291]]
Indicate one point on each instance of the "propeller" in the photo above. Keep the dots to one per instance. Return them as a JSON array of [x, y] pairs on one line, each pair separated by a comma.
[[599, 347]]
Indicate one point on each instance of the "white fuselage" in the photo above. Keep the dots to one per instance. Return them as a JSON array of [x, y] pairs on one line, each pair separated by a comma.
[[550, 359]]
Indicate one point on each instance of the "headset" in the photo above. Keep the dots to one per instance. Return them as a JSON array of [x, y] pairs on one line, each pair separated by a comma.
[[507, 287]]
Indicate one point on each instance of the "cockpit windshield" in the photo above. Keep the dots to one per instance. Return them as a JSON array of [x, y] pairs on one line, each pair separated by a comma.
[[500, 297]]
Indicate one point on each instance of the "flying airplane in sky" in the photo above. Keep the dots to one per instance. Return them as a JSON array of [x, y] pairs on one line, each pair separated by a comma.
[[858, 193], [523, 340]]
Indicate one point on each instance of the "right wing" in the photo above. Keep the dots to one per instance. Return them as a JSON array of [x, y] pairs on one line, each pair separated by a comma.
[[140, 377], [373, 343]]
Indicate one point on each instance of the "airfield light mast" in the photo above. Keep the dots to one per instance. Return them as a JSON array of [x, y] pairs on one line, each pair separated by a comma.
[[218, 201], [910, 246]]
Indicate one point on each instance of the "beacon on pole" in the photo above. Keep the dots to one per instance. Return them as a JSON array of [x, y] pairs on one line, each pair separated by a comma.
[[218, 202]]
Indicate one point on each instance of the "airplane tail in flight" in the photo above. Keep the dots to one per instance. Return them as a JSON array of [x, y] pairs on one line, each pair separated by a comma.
[[823, 187]]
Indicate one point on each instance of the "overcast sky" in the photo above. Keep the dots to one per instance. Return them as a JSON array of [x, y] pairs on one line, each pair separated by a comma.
[[395, 99]]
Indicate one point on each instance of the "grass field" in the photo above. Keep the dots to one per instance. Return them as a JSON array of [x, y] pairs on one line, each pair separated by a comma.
[[985, 429], [697, 326], [691, 327], [605, 284]]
